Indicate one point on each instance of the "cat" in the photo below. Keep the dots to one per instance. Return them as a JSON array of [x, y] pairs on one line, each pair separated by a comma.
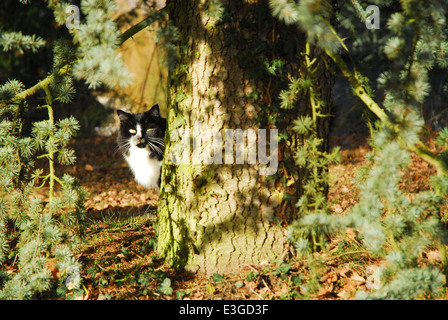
[[141, 142]]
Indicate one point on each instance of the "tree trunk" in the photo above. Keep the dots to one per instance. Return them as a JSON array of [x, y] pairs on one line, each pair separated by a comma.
[[217, 217]]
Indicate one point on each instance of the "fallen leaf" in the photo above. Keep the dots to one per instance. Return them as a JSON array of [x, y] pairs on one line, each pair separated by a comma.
[[350, 233], [337, 208], [349, 285], [345, 271], [357, 277], [210, 289], [373, 277], [284, 289], [434, 256], [325, 290], [51, 265], [344, 295], [329, 277]]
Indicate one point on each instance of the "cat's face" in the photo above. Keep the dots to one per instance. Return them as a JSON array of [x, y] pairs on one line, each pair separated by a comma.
[[142, 130]]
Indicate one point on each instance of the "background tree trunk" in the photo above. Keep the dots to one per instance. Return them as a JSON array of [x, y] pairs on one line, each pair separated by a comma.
[[215, 218]]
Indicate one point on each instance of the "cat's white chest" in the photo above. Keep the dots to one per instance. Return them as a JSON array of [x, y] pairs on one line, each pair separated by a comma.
[[146, 170]]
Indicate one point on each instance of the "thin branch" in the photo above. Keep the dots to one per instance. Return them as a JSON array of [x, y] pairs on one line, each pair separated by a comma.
[[40, 85], [67, 68], [157, 15], [412, 55], [50, 157], [358, 87], [360, 90]]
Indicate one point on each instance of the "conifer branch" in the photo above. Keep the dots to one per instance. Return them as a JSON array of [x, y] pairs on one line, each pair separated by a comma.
[[50, 157], [157, 15], [423, 152], [40, 85], [361, 91], [67, 68], [412, 55], [36, 226], [315, 106], [358, 87]]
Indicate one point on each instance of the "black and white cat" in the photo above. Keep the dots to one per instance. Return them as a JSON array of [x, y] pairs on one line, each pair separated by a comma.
[[141, 142]]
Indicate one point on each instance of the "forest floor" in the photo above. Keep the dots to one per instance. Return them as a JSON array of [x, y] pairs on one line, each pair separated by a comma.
[[119, 260]]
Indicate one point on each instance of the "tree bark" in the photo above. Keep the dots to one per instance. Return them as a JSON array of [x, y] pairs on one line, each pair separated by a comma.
[[215, 218]]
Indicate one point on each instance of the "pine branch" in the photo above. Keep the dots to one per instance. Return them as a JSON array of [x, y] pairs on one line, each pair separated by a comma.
[[67, 68], [361, 91], [50, 157], [40, 85], [422, 151], [358, 87], [37, 228], [18, 41], [157, 15]]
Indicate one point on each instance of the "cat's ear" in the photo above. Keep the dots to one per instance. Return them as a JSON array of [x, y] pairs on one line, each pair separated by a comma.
[[123, 116], [154, 112]]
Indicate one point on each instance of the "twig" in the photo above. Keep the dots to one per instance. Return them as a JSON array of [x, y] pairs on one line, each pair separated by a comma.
[[266, 285], [128, 226], [50, 157], [346, 253], [248, 265], [336, 256], [102, 268], [254, 292]]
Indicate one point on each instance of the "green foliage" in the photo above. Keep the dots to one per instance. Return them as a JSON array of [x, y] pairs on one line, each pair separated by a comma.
[[165, 287], [391, 223], [310, 15], [40, 232], [35, 230], [396, 226], [97, 40], [17, 41], [310, 155]]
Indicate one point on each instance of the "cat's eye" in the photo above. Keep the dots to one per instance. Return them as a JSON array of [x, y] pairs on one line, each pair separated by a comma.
[[149, 129], [132, 131]]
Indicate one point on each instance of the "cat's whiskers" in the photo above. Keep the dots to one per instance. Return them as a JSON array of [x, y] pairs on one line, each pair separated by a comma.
[[158, 141], [123, 147], [154, 147]]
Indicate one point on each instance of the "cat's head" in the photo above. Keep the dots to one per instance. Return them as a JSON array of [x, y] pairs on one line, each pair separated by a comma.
[[142, 130]]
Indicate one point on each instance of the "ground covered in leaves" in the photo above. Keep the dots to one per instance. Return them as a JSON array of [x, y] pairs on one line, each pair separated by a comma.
[[120, 262]]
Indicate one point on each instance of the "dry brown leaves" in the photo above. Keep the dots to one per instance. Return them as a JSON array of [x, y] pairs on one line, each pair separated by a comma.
[[107, 178]]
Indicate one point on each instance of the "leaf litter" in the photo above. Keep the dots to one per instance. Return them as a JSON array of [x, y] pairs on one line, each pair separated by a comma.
[[120, 262]]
